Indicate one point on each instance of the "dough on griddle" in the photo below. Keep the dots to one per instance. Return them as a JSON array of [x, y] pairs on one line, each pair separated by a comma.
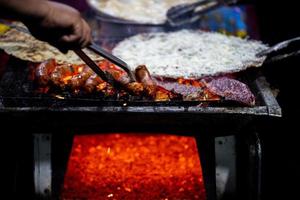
[[190, 54], [26, 47]]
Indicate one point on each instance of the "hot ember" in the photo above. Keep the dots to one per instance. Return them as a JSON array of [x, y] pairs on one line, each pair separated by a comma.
[[133, 166]]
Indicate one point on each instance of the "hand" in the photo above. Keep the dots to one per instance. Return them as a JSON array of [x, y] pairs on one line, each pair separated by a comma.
[[61, 26]]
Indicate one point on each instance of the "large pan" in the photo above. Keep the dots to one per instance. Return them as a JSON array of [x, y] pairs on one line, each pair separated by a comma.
[[113, 29], [281, 50]]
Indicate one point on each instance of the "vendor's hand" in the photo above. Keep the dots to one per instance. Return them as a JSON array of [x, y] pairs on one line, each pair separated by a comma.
[[62, 26]]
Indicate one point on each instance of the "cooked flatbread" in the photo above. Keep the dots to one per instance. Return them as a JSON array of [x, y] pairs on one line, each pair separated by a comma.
[[139, 11], [190, 54], [26, 47]]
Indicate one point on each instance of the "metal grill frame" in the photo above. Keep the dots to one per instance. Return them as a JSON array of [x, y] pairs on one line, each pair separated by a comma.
[[204, 123]]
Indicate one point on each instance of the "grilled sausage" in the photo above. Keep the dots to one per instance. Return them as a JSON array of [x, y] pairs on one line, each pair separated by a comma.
[[77, 81], [92, 82], [125, 82], [135, 88], [152, 90], [44, 70], [142, 75], [62, 74]]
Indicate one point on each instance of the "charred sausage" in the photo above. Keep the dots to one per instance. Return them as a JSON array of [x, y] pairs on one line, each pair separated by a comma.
[[62, 74], [134, 88], [142, 75], [77, 81], [44, 70], [92, 82]]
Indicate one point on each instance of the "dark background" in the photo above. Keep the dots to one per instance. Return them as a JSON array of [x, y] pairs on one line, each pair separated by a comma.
[[278, 21]]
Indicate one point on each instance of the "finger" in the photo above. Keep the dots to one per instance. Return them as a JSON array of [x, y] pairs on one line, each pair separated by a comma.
[[70, 38], [87, 34], [82, 33], [75, 35]]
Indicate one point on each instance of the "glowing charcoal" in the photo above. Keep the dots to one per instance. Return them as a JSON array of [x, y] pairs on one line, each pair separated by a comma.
[[133, 166]]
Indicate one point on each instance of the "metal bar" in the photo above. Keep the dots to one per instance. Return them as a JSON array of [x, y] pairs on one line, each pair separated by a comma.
[[206, 146], [42, 165], [270, 101], [259, 164], [249, 153], [226, 167]]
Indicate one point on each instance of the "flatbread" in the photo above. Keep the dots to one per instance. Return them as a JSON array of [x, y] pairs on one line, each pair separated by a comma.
[[26, 47], [190, 54], [139, 11]]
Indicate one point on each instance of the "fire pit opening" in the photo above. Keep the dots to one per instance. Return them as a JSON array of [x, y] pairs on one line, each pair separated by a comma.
[[133, 166]]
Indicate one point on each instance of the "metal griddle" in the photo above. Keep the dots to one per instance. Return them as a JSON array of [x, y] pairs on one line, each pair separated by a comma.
[[18, 92], [18, 101]]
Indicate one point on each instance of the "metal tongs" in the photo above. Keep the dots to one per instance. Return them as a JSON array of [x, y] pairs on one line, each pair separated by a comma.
[[282, 50], [189, 13], [104, 75]]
